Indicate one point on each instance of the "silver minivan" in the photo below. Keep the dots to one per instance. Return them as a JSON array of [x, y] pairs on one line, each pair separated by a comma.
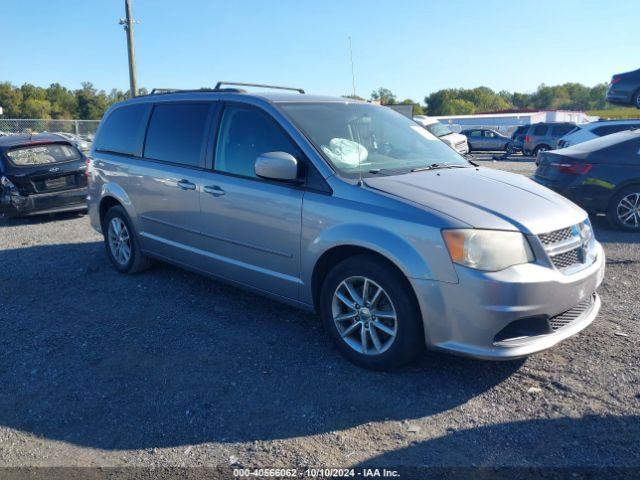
[[348, 209]]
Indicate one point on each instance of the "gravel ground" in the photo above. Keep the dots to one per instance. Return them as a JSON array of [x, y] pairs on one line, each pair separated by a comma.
[[168, 368]]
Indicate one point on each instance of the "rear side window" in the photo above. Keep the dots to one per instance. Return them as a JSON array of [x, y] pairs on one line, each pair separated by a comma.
[[176, 133], [609, 129], [561, 130], [540, 130], [122, 130], [43, 154], [246, 133], [473, 133]]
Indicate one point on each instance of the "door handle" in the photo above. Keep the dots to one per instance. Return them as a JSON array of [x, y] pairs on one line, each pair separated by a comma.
[[214, 190], [186, 185]]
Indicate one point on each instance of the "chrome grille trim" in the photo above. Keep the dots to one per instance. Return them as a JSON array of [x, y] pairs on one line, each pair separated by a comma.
[[556, 236], [563, 247]]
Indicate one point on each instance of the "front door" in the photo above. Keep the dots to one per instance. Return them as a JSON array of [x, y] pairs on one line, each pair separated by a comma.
[[250, 226]]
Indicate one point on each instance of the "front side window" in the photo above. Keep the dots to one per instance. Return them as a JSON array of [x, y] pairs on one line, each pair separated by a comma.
[[246, 133], [560, 130], [177, 133], [489, 134], [122, 131], [43, 154], [364, 139]]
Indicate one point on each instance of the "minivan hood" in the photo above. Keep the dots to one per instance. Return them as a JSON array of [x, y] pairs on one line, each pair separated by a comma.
[[484, 198]]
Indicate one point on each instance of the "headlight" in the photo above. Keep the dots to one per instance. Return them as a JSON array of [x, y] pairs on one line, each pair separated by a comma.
[[488, 250]]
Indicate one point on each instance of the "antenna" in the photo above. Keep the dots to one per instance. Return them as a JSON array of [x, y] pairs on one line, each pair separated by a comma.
[[353, 77], [353, 85]]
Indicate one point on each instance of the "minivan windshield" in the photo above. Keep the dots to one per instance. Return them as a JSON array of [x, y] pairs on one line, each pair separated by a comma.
[[438, 129], [363, 139]]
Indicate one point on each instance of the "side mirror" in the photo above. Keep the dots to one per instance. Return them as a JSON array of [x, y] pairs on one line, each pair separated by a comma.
[[277, 166]]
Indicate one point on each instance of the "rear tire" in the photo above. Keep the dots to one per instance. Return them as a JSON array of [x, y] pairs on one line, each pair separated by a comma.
[[365, 298], [624, 209], [540, 148], [636, 99], [121, 242]]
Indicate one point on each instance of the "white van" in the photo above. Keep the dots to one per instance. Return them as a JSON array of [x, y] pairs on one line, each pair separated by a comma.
[[455, 140]]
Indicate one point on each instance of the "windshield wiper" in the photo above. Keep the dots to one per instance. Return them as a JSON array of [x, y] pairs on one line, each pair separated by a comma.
[[436, 166]]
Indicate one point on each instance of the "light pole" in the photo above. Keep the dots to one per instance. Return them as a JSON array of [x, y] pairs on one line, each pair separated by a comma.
[[127, 23]]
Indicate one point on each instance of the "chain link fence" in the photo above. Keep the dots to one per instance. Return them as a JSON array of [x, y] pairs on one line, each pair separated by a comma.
[[85, 129]]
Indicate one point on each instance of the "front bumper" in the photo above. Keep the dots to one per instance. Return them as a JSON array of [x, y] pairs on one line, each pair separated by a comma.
[[465, 317], [14, 205]]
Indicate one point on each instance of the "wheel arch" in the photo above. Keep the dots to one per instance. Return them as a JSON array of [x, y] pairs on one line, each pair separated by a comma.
[[112, 194]]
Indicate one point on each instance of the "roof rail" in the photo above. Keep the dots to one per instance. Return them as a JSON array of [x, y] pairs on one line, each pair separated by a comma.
[[160, 91], [275, 87]]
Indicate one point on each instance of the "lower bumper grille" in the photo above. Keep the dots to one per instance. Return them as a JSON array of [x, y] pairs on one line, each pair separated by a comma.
[[565, 318]]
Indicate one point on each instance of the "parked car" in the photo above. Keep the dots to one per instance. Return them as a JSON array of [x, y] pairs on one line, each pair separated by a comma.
[[518, 135], [589, 131], [601, 175], [349, 209], [485, 139], [455, 140], [544, 136], [624, 89], [41, 173], [80, 143]]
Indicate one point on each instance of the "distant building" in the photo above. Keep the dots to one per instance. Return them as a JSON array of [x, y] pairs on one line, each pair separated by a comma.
[[504, 119]]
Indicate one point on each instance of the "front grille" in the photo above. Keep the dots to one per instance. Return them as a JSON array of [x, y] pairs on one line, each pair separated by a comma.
[[565, 318], [556, 236], [567, 259]]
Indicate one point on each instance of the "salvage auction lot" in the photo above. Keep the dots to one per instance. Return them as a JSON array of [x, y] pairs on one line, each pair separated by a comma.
[[171, 368]]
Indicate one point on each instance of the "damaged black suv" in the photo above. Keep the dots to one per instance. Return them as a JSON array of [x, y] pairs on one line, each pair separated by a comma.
[[41, 173]]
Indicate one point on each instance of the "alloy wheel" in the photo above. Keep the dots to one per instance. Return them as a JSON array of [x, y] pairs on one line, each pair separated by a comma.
[[628, 210], [364, 315], [119, 241]]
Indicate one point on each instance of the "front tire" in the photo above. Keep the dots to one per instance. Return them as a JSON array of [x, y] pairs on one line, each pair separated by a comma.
[[509, 149], [369, 310], [121, 242], [636, 99], [624, 210]]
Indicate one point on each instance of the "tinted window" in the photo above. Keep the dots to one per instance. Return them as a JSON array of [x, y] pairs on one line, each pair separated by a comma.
[[122, 130], [540, 130], [43, 154], [473, 133], [246, 133], [489, 134], [609, 129], [560, 130], [177, 132]]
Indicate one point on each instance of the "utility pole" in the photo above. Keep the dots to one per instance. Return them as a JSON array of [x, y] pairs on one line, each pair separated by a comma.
[[127, 23]]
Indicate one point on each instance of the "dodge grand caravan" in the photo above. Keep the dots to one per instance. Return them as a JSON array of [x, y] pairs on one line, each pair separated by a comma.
[[348, 209]]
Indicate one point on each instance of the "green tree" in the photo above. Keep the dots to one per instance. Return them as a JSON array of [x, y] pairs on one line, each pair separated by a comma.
[[417, 108], [10, 100], [91, 102], [384, 96], [36, 108], [63, 102]]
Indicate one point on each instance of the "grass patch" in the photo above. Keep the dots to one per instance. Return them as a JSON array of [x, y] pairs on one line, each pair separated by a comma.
[[615, 113]]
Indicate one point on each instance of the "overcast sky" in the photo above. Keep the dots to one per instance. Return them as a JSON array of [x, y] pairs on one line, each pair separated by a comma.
[[410, 47]]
